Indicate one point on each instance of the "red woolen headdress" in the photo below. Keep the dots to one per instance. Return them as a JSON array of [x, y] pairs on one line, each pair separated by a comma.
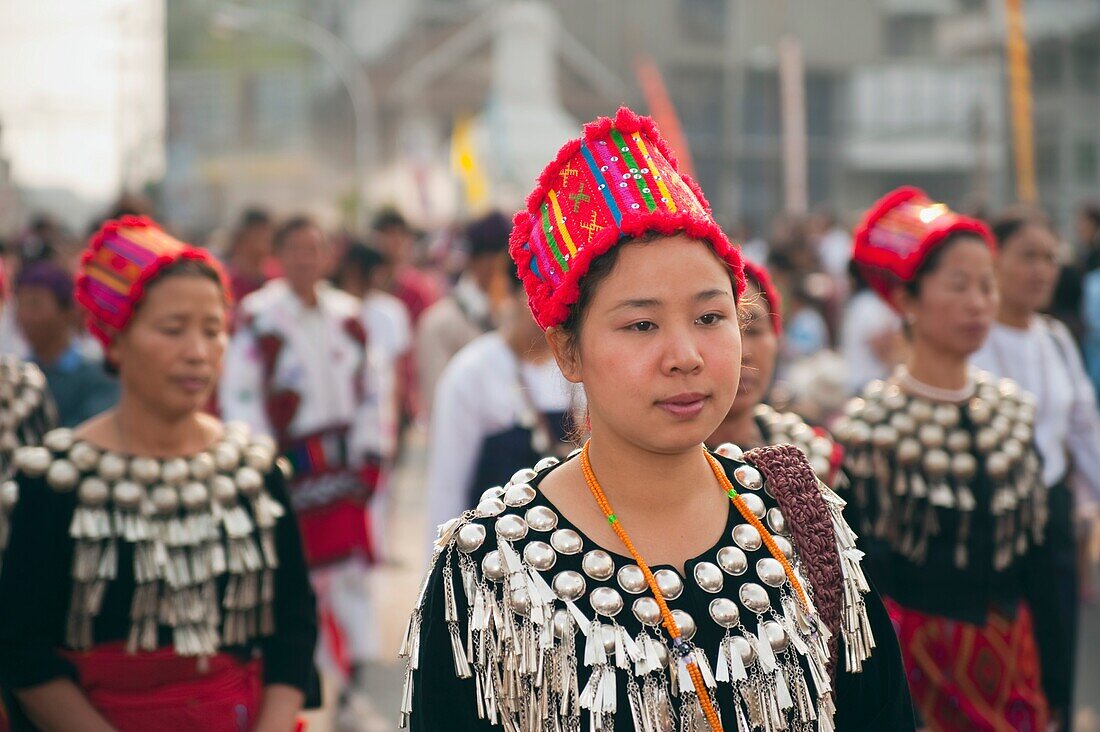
[[618, 181], [900, 231], [758, 275], [121, 258]]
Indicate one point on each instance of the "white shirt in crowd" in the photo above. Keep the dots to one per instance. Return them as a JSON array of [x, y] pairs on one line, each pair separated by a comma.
[[865, 318], [387, 321], [1043, 360], [478, 396]]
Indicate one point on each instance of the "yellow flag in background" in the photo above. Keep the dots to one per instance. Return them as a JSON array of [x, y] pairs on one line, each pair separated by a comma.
[[465, 165]]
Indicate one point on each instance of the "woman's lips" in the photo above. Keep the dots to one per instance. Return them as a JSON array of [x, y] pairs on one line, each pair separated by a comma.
[[192, 384], [684, 406]]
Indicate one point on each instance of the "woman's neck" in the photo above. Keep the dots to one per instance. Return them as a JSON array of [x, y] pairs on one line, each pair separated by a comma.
[[937, 368], [140, 430], [741, 429], [1014, 317], [648, 482]]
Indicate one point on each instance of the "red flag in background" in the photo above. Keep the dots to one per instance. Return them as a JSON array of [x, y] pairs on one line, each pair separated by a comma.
[[662, 110]]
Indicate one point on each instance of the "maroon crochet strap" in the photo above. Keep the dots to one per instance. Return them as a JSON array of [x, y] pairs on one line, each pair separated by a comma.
[[794, 485]]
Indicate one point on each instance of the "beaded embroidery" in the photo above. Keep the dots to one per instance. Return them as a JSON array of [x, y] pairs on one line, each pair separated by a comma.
[[528, 629], [26, 413], [913, 463], [190, 521]]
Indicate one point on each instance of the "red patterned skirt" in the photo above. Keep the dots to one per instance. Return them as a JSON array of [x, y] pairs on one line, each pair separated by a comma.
[[971, 678], [162, 691]]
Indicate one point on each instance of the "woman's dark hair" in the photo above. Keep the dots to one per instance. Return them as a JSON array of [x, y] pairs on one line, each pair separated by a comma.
[[183, 268], [290, 227], [363, 258], [932, 262], [1011, 221]]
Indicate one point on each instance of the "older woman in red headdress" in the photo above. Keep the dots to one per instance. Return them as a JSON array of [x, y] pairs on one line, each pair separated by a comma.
[[948, 496], [154, 577]]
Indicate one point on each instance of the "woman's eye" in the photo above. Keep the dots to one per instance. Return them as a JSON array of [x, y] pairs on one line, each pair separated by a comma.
[[711, 318], [642, 326]]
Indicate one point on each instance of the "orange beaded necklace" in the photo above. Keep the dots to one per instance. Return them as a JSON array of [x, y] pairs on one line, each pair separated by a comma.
[[684, 647]]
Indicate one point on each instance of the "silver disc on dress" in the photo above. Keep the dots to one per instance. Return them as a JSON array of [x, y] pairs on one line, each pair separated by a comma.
[[776, 521], [606, 601], [709, 577], [490, 508], [749, 477], [647, 611], [784, 546], [747, 537], [492, 565], [566, 541], [598, 565], [62, 475], [770, 571], [685, 623], [732, 560], [569, 585], [744, 649], [541, 518], [755, 504], [539, 555], [631, 579], [669, 583], [519, 495], [511, 527], [776, 636], [470, 538], [754, 597], [522, 476], [724, 612], [520, 601], [494, 492]]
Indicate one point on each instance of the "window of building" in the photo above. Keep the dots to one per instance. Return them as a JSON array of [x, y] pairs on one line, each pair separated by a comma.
[[1085, 55], [1086, 161], [910, 35], [704, 20], [1046, 66]]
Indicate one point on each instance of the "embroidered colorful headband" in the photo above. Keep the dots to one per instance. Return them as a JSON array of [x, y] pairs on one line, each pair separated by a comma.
[[759, 276], [121, 258], [898, 233], [618, 181]]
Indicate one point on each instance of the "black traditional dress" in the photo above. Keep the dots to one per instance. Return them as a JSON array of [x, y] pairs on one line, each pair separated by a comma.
[[524, 623], [169, 590], [950, 502]]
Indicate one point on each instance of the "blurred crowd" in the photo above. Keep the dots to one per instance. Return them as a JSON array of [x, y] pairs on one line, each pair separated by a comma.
[[454, 351]]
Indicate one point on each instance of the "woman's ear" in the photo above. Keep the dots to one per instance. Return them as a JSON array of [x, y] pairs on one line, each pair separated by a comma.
[[564, 347], [904, 303]]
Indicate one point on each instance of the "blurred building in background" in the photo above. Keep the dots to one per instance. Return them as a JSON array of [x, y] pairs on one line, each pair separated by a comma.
[[323, 104], [82, 101]]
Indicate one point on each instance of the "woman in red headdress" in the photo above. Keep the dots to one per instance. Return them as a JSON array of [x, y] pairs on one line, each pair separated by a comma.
[[751, 422], [947, 493], [154, 576], [646, 583]]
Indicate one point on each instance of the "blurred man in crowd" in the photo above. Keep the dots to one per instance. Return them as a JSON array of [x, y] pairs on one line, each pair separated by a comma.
[[465, 313], [248, 258], [300, 368], [396, 239], [48, 320]]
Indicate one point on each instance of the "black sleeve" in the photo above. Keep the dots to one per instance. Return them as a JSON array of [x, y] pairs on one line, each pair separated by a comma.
[[34, 587], [441, 700], [288, 654], [877, 698]]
